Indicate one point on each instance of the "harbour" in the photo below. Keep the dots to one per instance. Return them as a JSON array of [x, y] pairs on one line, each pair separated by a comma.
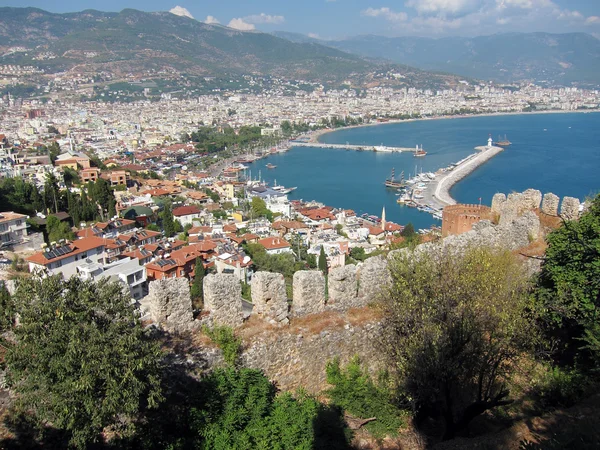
[[563, 160]]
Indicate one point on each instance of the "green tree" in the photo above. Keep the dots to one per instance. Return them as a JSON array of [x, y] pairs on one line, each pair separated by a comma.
[[71, 177], [569, 288], [82, 361], [168, 221], [197, 290], [58, 230], [258, 208], [53, 151], [453, 326], [409, 231], [323, 261], [7, 309]]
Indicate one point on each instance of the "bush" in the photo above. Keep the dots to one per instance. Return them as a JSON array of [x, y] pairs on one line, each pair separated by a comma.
[[560, 388], [355, 392], [224, 337]]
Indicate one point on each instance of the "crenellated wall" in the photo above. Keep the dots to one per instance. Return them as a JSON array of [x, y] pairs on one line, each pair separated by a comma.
[[515, 204]]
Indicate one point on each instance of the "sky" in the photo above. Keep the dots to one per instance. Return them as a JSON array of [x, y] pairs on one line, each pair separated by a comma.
[[334, 19]]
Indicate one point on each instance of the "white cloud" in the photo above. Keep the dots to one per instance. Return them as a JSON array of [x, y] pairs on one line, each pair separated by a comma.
[[314, 36], [181, 11], [385, 13], [592, 20], [264, 18], [211, 19], [240, 24], [481, 17], [444, 7]]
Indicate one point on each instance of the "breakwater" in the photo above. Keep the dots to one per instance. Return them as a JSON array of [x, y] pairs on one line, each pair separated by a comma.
[[360, 148], [437, 194]]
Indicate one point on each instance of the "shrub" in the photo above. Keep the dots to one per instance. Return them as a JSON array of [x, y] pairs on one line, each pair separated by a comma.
[[355, 392], [560, 387], [224, 337]]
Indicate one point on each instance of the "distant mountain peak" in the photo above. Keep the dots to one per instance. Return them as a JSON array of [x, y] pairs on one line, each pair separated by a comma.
[[181, 11]]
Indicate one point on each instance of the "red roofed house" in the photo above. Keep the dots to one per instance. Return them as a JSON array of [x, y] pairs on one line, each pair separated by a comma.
[[66, 258], [318, 215], [186, 214], [178, 264], [275, 245]]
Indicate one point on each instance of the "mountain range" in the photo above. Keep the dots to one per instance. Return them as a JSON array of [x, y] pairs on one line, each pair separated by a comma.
[[556, 59], [139, 42]]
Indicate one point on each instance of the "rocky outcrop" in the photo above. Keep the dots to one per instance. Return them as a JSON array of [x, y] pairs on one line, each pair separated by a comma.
[[342, 288], [550, 204], [170, 304], [373, 276], [269, 297], [569, 209], [223, 299], [309, 293]]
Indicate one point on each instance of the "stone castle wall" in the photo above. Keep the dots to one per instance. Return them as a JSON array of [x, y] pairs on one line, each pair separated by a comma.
[[514, 205]]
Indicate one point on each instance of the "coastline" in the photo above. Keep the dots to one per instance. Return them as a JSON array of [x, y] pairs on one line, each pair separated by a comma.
[[316, 135]]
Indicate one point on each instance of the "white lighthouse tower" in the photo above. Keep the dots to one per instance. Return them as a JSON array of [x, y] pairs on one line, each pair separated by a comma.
[[489, 141]]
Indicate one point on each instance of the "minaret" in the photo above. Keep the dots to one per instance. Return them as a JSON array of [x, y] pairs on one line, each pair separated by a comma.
[[383, 219]]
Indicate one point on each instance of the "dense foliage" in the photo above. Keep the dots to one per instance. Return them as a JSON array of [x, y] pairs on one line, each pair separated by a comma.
[[454, 325], [81, 361], [569, 289], [356, 393]]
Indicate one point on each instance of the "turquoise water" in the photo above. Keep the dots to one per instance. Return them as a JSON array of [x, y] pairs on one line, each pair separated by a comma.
[[557, 153]]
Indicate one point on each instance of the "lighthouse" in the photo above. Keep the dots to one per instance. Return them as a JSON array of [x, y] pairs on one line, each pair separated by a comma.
[[490, 141]]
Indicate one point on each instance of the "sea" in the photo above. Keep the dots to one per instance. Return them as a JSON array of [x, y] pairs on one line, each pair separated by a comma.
[[558, 152]]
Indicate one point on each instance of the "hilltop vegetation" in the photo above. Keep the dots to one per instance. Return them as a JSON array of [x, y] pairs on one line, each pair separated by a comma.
[[139, 42]]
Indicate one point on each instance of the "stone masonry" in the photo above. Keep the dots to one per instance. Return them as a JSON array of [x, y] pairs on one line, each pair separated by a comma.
[[223, 299], [309, 293], [343, 287], [171, 304], [497, 201], [269, 296], [569, 210], [550, 204], [373, 276]]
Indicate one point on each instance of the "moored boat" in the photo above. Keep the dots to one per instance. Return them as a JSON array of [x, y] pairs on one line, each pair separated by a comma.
[[392, 183]]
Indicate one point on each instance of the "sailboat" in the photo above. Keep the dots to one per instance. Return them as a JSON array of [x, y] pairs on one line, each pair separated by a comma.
[[392, 183], [502, 142], [419, 151]]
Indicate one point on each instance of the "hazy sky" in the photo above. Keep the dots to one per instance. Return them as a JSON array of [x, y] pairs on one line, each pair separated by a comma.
[[339, 18]]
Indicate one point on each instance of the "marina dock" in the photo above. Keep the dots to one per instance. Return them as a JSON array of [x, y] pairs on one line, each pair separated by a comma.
[[360, 148]]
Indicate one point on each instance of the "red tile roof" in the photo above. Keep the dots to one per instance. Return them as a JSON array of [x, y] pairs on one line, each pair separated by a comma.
[[272, 243], [78, 246], [186, 210]]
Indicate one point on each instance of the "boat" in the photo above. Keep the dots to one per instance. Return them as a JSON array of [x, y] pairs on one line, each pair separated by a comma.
[[502, 142], [270, 166], [392, 183], [282, 189], [420, 152]]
